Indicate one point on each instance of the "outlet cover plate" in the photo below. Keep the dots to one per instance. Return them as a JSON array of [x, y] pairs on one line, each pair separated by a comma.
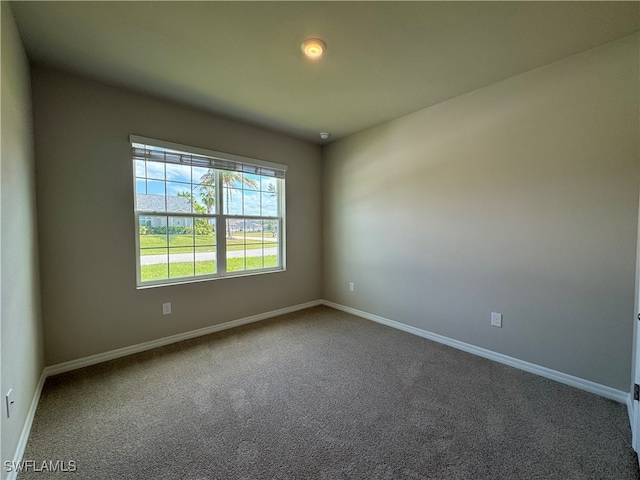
[[11, 401], [496, 319]]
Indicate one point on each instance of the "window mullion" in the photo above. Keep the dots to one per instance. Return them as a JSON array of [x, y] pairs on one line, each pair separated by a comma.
[[282, 227], [138, 266], [221, 226]]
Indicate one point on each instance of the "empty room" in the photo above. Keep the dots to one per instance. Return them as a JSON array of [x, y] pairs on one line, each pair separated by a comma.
[[320, 240]]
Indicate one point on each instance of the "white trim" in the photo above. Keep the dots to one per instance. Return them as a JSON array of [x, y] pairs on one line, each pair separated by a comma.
[[581, 383], [26, 429], [207, 153], [630, 411], [219, 217], [141, 347]]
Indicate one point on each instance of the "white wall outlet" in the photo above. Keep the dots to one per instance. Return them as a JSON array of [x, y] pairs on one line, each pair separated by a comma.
[[166, 308], [352, 287], [10, 401], [496, 319]]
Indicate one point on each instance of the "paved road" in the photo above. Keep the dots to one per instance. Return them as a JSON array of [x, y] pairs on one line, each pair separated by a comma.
[[203, 256]]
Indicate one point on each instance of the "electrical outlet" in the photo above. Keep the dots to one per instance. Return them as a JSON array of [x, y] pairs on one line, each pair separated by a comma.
[[166, 308], [11, 401], [496, 319], [352, 287]]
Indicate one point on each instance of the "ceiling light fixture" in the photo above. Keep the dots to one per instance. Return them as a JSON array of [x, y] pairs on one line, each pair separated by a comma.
[[313, 47], [324, 135]]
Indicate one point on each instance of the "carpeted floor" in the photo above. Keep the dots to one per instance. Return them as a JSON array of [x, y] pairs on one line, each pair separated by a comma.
[[320, 394]]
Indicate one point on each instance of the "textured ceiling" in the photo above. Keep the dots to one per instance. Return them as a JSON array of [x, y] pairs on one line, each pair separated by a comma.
[[383, 59]]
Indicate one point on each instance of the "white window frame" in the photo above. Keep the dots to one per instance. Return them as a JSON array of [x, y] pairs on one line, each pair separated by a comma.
[[219, 216]]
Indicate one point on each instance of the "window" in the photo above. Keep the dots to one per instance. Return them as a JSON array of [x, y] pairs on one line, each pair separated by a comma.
[[202, 215]]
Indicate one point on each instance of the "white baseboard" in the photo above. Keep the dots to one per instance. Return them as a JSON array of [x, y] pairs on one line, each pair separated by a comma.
[[26, 429], [141, 347], [581, 383], [631, 416]]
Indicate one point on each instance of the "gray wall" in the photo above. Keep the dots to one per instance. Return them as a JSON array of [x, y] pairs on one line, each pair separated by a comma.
[[85, 208], [519, 198], [21, 328]]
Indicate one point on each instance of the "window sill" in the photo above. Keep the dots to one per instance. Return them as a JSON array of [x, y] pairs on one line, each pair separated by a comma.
[[185, 280]]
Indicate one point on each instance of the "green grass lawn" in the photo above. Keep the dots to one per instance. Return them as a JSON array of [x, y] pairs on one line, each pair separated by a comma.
[[185, 269], [156, 244]]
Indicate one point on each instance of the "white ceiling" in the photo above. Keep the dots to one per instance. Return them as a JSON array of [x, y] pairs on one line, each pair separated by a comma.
[[383, 59]]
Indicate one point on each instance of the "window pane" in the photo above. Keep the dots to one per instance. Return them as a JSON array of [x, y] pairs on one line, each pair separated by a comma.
[[158, 270], [180, 232], [141, 186], [268, 184], [181, 262], [153, 251], [139, 167], [204, 198], [269, 205], [200, 175], [251, 244], [236, 187], [251, 182], [150, 196], [235, 244], [153, 232], [205, 260], [235, 230], [271, 257], [271, 230], [254, 261], [232, 201], [178, 197], [251, 203], [232, 180], [253, 231], [205, 184], [178, 173], [155, 170], [254, 256], [155, 187], [235, 260], [205, 232], [150, 203]]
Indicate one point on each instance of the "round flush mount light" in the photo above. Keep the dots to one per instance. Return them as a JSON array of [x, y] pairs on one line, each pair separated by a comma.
[[313, 47], [324, 135]]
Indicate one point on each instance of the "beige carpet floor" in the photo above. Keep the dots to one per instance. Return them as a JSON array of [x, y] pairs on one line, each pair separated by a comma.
[[320, 394]]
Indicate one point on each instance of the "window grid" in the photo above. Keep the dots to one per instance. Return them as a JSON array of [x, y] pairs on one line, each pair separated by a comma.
[[248, 247], [233, 244]]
